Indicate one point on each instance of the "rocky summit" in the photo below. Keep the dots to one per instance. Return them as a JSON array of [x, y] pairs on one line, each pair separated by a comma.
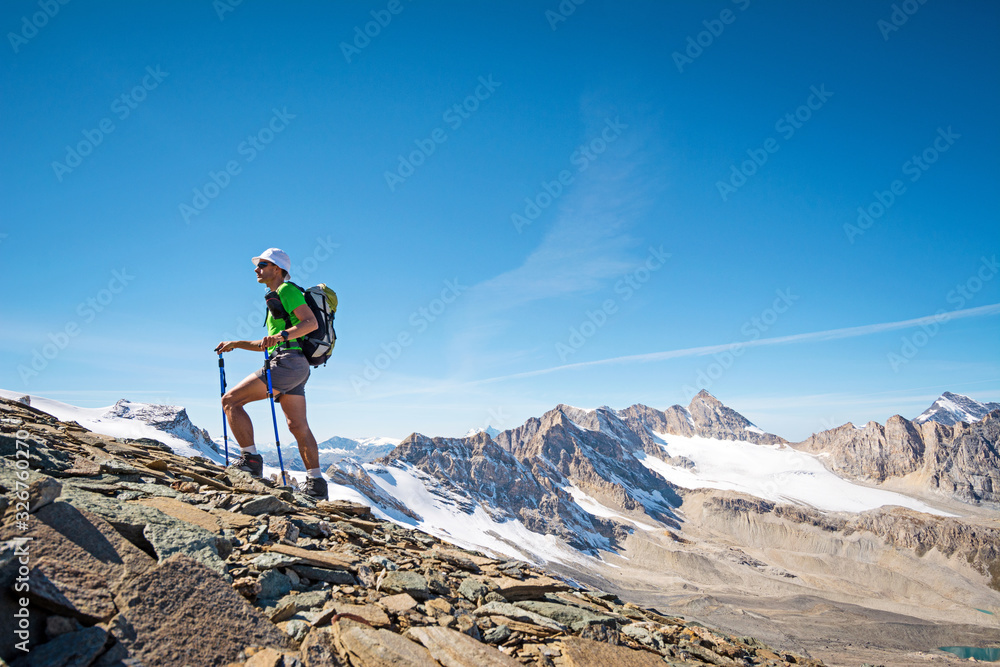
[[119, 552]]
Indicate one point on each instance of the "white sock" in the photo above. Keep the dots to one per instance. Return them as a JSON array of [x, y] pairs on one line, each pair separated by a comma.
[[252, 449], [314, 472]]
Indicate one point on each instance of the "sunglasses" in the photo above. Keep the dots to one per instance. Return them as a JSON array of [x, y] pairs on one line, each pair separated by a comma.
[[263, 265]]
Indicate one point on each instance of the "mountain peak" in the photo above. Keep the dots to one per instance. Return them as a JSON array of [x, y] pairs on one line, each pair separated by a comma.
[[951, 409], [705, 398]]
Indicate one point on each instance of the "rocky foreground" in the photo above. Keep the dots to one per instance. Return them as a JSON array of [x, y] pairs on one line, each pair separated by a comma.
[[116, 552]]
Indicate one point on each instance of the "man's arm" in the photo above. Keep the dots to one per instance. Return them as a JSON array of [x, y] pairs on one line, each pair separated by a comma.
[[307, 324], [229, 345]]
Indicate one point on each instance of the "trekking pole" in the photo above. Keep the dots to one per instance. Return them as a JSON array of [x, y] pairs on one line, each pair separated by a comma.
[[225, 430], [274, 418]]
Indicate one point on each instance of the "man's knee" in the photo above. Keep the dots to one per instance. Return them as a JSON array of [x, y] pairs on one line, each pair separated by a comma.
[[229, 401], [297, 424]]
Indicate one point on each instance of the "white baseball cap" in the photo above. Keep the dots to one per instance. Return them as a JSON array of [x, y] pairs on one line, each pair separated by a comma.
[[275, 256]]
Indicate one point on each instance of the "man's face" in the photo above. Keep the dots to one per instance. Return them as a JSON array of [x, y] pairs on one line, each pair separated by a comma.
[[265, 271]]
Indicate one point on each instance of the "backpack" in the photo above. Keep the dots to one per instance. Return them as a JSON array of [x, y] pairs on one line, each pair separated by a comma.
[[316, 345]]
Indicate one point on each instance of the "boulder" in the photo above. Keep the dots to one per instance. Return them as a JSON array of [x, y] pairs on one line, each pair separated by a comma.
[[63, 589], [576, 618], [181, 612], [454, 649], [370, 647], [413, 583]]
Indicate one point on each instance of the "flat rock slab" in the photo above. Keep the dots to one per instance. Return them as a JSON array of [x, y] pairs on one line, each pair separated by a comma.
[[373, 614], [398, 603], [145, 525], [455, 649], [344, 507], [399, 581], [369, 647], [183, 613], [233, 520], [270, 505], [62, 533], [328, 559], [508, 610], [536, 587], [290, 605], [185, 512], [580, 652], [188, 539], [575, 617], [454, 557], [67, 591], [272, 559]]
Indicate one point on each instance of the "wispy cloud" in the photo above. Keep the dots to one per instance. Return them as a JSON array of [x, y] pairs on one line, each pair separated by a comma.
[[813, 336], [589, 241]]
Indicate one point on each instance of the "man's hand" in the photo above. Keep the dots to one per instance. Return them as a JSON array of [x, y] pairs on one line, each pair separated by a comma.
[[225, 346], [270, 341]]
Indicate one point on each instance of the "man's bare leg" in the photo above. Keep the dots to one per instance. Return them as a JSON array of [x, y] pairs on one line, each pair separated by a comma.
[[294, 408], [247, 391]]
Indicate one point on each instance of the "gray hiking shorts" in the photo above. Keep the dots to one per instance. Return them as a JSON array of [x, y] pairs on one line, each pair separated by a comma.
[[289, 372]]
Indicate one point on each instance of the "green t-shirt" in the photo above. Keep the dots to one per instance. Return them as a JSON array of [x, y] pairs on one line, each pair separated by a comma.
[[291, 298]]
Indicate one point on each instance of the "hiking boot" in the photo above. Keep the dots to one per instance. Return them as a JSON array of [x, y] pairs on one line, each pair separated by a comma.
[[315, 487], [251, 463]]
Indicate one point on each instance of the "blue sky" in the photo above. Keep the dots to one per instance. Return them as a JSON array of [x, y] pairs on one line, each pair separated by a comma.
[[792, 205]]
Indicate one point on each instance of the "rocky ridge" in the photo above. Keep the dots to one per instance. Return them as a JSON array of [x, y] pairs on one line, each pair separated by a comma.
[[136, 555], [960, 461], [532, 472], [977, 545], [951, 409], [171, 419]]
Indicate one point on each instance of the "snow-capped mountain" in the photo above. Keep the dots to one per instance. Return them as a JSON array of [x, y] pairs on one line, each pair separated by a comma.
[[960, 461], [127, 419], [331, 451], [581, 481], [951, 409]]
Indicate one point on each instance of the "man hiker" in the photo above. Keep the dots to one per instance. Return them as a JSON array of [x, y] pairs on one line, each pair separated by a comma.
[[289, 372]]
